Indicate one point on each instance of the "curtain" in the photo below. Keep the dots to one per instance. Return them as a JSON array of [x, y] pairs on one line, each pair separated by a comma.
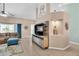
[[19, 30]]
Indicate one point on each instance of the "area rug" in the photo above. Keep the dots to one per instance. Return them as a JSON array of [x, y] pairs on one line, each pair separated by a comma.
[[16, 49], [3, 50], [11, 50]]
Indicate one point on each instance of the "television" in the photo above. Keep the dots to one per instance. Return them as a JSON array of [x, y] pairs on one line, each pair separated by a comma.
[[39, 29]]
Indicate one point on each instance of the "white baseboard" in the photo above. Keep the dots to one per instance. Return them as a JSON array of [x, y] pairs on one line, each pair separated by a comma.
[[59, 48], [74, 43], [71, 42]]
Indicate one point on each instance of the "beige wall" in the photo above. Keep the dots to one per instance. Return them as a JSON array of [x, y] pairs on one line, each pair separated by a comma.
[[24, 22]]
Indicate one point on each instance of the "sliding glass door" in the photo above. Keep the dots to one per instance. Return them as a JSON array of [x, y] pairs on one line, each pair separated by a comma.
[[10, 28], [4, 28]]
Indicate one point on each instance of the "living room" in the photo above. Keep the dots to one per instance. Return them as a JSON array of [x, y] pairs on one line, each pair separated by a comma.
[[52, 22]]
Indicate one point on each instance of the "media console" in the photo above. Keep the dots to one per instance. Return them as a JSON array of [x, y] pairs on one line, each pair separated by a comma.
[[41, 41], [41, 34]]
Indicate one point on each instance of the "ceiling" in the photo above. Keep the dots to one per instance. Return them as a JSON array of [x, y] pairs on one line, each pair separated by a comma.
[[21, 10], [26, 10]]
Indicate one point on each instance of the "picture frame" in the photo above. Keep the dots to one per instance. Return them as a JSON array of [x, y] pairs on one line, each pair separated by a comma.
[[41, 9]]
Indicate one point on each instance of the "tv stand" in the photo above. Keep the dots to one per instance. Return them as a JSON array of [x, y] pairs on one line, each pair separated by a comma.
[[41, 41]]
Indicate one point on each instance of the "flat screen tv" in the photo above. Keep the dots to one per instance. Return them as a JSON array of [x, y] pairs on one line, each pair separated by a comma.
[[39, 29]]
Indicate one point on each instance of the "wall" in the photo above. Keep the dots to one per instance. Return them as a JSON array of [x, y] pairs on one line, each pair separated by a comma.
[[73, 11], [62, 38], [24, 22]]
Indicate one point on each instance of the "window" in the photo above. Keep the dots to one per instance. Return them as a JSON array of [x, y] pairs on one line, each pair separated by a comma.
[[7, 28]]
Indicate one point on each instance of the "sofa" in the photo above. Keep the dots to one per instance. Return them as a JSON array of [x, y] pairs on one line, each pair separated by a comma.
[[2, 41], [14, 34], [5, 36]]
